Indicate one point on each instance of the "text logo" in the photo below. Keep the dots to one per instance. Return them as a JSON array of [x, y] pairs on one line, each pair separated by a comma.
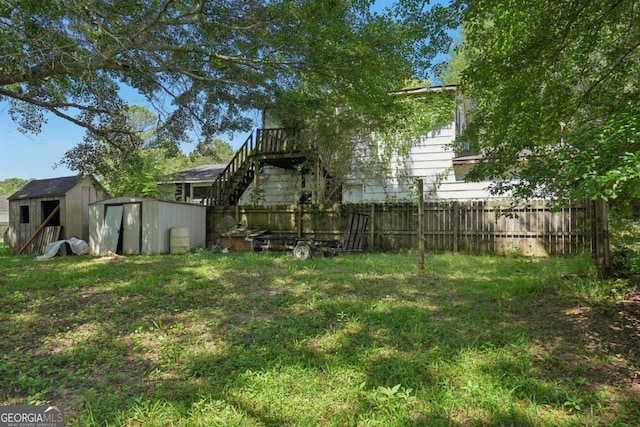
[[31, 416]]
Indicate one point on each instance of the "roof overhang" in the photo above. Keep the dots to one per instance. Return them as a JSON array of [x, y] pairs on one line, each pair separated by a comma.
[[467, 160]]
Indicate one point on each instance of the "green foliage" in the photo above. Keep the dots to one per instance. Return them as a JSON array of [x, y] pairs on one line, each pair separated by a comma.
[[374, 136], [213, 151], [11, 185], [624, 233], [416, 115], [138, 177], [452, 70], [204, 64], [135, 164], [556, 99]]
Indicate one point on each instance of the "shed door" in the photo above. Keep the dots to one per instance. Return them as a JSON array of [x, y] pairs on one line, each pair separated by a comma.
[[112, 225], [131, 230]]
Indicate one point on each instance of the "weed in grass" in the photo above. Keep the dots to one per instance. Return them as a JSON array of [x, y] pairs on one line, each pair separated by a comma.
[[573, 404]]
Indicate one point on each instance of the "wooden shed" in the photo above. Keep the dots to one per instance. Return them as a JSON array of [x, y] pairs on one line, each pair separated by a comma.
[[48, 210], [134, 225]]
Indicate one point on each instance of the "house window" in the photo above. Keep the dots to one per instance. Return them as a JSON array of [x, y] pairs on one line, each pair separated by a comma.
[[200, 193], [48, 206], [24, 214]]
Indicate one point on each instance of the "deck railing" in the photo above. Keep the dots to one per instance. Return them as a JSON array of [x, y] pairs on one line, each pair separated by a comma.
[[277, 141]]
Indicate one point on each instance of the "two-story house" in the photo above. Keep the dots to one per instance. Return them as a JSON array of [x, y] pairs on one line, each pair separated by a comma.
[[273, 167]]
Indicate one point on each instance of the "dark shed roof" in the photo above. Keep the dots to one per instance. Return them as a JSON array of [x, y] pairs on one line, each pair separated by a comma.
[[53, 187]]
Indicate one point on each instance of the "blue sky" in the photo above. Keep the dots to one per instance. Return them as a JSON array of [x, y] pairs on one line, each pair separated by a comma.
[[36, 155]]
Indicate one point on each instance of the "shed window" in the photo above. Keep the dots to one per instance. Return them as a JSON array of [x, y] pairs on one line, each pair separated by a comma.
[[24, 214]]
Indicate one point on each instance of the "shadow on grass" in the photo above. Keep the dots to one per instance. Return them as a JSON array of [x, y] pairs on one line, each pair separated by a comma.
[[267, 340]]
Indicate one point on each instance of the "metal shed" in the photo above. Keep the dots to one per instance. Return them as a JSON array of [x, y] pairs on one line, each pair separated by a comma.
[[47, 210], [134, 225]]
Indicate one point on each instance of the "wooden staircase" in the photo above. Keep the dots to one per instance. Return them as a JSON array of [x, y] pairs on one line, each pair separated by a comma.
[[279, 147]]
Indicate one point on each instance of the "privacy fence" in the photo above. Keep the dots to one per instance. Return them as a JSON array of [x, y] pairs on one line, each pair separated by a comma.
[[486, 227]]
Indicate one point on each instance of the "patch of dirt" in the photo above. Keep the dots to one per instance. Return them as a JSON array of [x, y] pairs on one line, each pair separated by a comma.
[[601, 343]]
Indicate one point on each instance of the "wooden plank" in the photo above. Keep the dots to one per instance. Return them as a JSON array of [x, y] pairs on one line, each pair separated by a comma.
[[48, 235], [355, 232], [39, 230]]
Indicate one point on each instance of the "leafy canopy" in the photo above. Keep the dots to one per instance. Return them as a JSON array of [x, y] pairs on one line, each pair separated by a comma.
[[557, 95], [11, 185], [202, 63]]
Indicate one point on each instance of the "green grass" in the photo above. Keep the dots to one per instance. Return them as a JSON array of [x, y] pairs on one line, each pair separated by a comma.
[[268, 340]]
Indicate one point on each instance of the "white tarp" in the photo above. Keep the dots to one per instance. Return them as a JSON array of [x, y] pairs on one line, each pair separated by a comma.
[[78, 247]]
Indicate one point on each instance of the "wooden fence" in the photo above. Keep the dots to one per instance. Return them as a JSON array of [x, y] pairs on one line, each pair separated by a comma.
[[467, 227]]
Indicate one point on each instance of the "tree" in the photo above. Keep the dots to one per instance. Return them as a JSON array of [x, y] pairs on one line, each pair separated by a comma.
[[139, 177], [211, 151], [11, 185], [555, 85], [202, 63], [131, 164], [450, 73]]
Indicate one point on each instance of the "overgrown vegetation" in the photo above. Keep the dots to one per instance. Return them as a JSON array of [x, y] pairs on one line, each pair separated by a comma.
[[624, 227], [555, 104], [260, 339], [11, 185]]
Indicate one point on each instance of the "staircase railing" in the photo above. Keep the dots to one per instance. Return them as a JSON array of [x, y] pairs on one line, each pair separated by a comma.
[[214, 195], [277, 141], [241, 167]]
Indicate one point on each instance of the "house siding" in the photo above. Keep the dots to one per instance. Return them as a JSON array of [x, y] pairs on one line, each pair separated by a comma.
[[431, 158], [278, 187]]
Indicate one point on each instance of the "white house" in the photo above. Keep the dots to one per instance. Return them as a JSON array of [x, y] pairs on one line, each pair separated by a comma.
[[431, 158]]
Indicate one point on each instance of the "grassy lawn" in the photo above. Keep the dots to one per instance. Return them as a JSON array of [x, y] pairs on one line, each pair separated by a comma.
[[367, 340]]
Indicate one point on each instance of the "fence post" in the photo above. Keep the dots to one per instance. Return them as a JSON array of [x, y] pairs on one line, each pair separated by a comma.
[[372, 225], [421, 223], [300, 225], [600, 236], [456, 225]]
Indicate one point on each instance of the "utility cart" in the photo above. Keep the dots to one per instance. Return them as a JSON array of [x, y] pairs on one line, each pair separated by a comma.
[[307, 247], [302, 248]]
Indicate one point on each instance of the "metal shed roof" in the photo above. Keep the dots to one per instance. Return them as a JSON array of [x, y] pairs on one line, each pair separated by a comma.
[[132, 199]]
